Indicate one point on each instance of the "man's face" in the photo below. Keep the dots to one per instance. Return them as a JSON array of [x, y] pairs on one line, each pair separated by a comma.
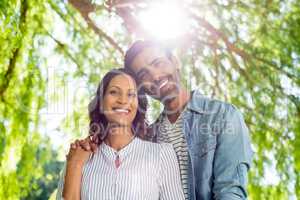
[[157, 73]]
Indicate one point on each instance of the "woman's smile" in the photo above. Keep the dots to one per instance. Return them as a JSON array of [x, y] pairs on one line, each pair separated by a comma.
[[120, 100]]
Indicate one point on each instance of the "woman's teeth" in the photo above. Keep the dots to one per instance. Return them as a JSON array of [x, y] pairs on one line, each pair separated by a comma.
[[121, 110]]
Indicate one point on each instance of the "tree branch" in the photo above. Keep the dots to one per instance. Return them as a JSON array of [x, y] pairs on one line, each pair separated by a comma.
[[64, 48], [233, 48], [218, 34], [121, 3], [9, 72], [85, 7], [12, 62]]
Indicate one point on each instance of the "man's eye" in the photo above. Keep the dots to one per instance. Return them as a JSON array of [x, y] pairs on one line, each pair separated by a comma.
[[160, 64], [145, 76], [142, 76]]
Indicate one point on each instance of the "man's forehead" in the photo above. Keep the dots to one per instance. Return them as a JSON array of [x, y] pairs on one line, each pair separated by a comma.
[[150, 53]]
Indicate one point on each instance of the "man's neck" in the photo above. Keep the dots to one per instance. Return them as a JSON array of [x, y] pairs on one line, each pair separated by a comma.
[[174, 107], [119, 137]]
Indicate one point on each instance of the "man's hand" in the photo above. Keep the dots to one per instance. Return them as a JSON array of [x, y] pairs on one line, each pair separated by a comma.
[[87, 144], [80, 151]]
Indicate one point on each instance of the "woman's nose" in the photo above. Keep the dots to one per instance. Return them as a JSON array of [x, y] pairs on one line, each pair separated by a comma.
[[123, 99]]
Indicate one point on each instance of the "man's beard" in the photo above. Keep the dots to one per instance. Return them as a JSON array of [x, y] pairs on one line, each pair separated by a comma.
[[167, 95]]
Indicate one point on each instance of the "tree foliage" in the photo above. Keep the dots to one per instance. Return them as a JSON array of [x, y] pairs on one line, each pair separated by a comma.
[[244, 52]]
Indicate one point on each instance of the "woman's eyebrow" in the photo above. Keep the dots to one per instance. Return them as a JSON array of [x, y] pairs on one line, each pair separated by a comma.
[[133, 89], [114, 86]]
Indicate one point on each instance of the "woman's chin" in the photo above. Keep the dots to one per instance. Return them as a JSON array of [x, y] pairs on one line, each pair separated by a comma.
[[117, 123]]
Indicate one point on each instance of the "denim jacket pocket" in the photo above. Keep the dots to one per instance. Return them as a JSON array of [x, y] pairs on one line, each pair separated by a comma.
[[204, 146], [207, 147], [203, 156]]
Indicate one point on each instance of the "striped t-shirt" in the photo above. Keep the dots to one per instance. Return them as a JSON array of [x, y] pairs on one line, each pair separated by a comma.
[[172, 133], [147, 171]]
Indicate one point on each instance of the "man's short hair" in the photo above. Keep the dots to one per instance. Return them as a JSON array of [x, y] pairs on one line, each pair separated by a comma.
[[139, 46]]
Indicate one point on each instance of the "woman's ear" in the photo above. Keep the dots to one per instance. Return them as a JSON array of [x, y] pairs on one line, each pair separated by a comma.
[[101, 108]]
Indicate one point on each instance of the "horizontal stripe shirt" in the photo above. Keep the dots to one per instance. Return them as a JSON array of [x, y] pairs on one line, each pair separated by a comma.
[[147, 171], [172, 133]]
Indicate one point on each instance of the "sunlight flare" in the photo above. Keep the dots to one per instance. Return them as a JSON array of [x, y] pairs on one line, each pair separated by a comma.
[[164, 20]]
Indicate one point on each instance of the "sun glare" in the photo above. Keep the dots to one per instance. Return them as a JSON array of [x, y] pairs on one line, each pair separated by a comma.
[[164, 21]]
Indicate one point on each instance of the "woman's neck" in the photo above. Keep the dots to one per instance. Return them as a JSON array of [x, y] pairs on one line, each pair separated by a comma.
[[119, 137]]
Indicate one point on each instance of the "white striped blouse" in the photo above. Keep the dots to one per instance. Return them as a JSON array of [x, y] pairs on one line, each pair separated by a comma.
[[148, 171]]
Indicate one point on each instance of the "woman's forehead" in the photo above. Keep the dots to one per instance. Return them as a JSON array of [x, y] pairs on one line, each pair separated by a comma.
[[123, 81]]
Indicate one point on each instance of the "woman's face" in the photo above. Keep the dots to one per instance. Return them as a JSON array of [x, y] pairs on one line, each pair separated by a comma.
[[120, 101]]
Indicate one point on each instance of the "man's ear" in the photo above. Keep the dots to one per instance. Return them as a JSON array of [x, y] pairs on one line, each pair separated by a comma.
[[176, 62]]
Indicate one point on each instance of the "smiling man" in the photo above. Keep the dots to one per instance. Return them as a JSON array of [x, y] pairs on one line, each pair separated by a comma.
[[210, 137]]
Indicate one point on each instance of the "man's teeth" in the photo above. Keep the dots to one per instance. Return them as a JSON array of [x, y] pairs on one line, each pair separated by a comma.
[[163, 84], [121, 110]]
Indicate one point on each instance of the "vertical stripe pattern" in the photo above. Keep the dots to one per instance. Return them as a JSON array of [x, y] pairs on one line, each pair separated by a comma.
[[147, 171]]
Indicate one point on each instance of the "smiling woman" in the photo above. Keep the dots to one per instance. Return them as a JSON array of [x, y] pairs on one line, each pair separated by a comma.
[[120, 102], [117, 94], [124, 166]]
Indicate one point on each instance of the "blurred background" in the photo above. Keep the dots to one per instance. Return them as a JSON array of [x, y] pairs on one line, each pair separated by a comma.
[[54, 53]]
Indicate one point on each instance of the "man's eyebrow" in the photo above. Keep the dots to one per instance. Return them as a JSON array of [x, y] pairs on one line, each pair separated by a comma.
[[140, 72], [155, 60], [143, 70]]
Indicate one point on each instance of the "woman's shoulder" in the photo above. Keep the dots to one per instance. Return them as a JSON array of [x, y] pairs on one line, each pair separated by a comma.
[[147, 144], [158, 146]]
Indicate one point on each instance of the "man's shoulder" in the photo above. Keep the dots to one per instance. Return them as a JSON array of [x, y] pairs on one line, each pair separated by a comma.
[[207, 105], [203, 104]]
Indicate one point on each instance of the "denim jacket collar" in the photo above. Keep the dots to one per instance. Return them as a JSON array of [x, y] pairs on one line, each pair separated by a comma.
[[197, 102]]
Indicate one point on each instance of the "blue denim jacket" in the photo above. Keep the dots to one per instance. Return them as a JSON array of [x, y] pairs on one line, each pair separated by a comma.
[[219, 149]]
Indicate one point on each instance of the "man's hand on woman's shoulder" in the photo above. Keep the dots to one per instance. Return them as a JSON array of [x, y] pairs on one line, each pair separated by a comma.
[[80, 151]]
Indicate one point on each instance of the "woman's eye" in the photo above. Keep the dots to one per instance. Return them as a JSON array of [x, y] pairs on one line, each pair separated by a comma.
[[113, 92], [132, 94]]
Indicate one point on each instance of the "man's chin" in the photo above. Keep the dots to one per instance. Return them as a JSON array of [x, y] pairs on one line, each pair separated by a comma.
[[165, 98], [165, 94]]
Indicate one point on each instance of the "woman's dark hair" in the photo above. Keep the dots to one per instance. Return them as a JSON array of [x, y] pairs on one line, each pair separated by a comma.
[[98, 121]]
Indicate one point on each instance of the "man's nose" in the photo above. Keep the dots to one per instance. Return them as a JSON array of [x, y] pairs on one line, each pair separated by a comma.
[[155, 74]]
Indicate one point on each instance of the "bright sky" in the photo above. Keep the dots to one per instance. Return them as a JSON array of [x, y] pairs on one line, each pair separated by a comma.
[[164, 20]]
